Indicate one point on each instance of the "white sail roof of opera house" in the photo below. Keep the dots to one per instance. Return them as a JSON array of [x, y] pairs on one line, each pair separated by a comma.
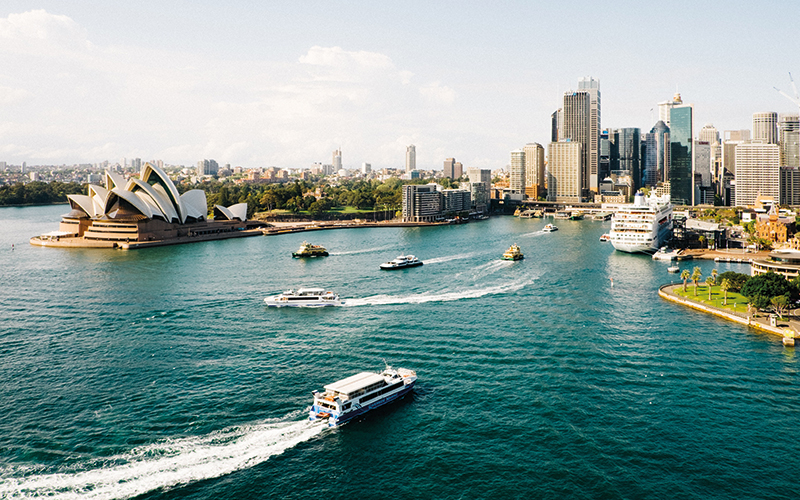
[[152, 195]]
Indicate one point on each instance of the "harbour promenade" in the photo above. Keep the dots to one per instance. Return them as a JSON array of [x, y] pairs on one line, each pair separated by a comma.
[[787, 326]]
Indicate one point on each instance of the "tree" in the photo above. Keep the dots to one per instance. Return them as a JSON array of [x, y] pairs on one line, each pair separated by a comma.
[[696, 275], [767, 285], [709, 283], [780, 304], [724, 287], [685, 276], [714, 274], [735, 280]]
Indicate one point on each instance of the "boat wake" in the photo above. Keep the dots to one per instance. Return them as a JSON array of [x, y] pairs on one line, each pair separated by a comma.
[[534, 233], [163, 465], [448, 258], [368, 250], [443, 296]]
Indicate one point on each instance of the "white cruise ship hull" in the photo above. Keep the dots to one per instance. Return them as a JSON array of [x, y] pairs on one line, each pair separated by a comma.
[[641, 227]]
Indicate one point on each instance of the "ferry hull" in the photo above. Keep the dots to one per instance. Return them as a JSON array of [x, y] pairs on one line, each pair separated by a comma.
[[337, 420]]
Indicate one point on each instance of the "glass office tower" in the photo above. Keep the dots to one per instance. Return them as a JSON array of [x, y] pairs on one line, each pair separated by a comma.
[[680, 161]]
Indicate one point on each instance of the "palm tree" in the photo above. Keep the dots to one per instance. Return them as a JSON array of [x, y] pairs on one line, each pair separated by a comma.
[[709, 283], [685, 276], [714, 274], [696, 275], [724, 287]]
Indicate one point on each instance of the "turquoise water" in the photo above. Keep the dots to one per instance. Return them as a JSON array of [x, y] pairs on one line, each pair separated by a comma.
[[160, 373]]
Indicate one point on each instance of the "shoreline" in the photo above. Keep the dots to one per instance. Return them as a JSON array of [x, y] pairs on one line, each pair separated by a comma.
[[761, 322]]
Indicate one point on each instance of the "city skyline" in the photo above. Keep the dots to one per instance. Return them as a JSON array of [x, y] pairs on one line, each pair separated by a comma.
[[286, 84]]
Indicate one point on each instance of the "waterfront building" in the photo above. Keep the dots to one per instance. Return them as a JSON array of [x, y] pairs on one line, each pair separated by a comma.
[[411, 158], [657, 154], [774, 228], [144, 209], [516, 177], [592, 87], [456, 200], [783, 262], [681, 168], [480, 183], [534, 170], [565, 175], [577, 114], [765, 127], [421, 203], [757, 172], [789, 139]]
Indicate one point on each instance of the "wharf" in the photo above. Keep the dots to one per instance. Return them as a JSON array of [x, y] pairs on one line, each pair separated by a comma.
[[783, 328], [321, 226]]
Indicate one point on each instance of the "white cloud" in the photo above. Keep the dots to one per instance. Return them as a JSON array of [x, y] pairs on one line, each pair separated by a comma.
[[437, 92], [9, 95], [340, 58]]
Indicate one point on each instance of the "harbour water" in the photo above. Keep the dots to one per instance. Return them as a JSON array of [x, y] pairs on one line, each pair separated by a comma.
[[160, 373]]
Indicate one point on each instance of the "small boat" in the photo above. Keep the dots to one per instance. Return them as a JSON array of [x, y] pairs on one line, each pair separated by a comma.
[[513, 253], [517, 212], [673, 269], [605, 237], [309, 250], [578, 215], [401, 262], [549, 228], [355, 395], [305, 297]]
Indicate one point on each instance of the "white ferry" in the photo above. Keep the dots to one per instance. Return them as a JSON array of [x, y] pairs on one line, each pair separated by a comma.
[[641, 226], [549, 228], [401, 262], [355, 395], [305, 297]]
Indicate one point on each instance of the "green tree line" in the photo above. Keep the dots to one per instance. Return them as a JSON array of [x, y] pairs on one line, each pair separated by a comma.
[[38, 193]]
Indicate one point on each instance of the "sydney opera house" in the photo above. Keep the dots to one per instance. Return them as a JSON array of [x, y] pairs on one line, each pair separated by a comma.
[[148, 211]]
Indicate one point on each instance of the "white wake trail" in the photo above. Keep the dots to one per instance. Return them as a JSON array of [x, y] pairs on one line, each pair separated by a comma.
[[167, 464], [448, 258], [444, 296], [367, 250]]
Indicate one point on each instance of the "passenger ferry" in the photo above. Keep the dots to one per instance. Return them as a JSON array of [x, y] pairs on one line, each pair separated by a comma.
[[305, 297], [549, 228], [309, 250], [642, 226], [355, 395], [513, 253], [401, 262]]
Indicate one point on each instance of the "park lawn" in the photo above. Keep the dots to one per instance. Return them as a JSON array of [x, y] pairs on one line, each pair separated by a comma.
[[351, 210], [736, 302]]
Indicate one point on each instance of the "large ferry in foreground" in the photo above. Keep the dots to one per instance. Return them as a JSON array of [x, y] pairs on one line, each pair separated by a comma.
[[642, 226], [355, 395], [305, 297]]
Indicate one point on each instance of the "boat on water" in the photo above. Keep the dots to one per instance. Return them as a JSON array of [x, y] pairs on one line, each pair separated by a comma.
[[601, 216], [561, 214], [401, 262], [355, 395], [673, 269], [578, 215], [642, 226], [605, 237], [305, 297], [549, 228], [513, 253], [308, 250]]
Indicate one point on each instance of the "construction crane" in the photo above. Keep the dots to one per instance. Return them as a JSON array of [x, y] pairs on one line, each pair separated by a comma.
[[796, 98]]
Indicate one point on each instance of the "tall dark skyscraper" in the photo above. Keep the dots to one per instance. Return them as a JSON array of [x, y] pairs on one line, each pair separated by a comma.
[[681, 174], [656, 164], [629, 151]]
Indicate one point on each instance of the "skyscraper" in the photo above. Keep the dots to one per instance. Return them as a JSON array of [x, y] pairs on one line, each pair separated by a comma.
[[337, 160], [577, 119], [657, 158], [564, 175], [556, 123], [665, 108], [629, 151], [757, 172], [789, 139], [517, 173], [709, 134], [411, 158], [534, 169], [681, 170], [480, 182], [592, 87], [765, 127]]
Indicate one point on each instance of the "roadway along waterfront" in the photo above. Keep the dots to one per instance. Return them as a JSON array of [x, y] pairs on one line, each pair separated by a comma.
[[161, 373]]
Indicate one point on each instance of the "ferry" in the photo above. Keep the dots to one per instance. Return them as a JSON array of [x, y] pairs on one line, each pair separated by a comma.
[[308, 250], [549, 228], [576, 215], [355, 395], [605, 238], [642, 226], [513, 253], [305, 297], [401, 262]]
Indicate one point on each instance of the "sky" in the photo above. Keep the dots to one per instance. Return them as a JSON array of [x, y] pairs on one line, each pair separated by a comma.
[[260, 84]]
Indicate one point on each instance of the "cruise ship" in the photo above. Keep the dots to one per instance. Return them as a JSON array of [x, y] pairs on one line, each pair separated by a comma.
[[642, 226], [355, 395]]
